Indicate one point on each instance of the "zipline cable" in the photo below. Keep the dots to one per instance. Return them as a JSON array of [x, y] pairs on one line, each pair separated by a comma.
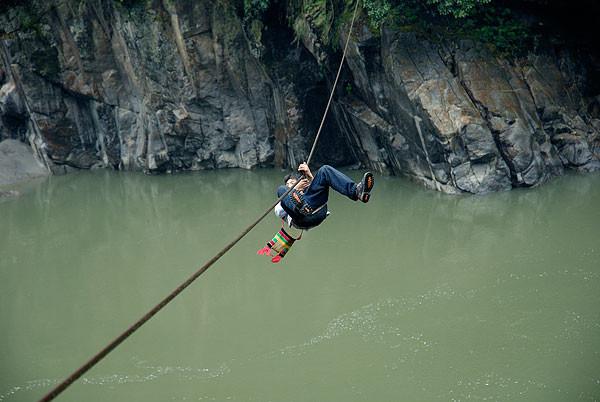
[[129, 331], [337, 76]]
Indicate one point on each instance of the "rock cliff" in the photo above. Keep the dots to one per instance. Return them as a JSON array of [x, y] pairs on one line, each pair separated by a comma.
[[459, 119], [156, 87], [175, 85]]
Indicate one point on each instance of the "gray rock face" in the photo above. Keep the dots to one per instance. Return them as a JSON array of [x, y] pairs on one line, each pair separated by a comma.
[[458, 119], [17, 163], [163, 88], [177, 85]]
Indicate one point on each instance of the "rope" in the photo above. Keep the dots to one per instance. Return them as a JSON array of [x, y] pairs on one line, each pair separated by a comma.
[[95, 359], [312, 150], [129, 331]]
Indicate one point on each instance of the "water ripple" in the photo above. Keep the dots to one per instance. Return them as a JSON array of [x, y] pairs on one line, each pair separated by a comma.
[[372, 323], [154, 372]]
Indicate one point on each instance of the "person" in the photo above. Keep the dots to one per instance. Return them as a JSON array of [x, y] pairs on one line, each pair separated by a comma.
[[305, 207]]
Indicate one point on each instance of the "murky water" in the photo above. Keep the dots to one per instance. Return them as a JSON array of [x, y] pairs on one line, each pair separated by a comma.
[[415, 296]]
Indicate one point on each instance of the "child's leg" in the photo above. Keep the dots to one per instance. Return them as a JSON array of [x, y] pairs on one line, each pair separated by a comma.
[[318, 191]]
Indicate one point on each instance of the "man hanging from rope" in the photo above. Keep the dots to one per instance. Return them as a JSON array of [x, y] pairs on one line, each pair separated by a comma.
[[305, 207]]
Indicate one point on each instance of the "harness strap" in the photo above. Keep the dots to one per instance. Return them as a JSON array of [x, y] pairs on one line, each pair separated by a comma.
[[318, 209]]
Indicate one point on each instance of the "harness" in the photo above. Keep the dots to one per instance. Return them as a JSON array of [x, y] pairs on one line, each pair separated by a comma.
[[300, 218]]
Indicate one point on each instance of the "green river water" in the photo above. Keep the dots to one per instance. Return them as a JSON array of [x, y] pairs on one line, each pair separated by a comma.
[[416, 296]]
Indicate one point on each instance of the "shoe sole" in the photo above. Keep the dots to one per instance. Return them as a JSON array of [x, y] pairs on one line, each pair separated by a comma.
[[369, 182]]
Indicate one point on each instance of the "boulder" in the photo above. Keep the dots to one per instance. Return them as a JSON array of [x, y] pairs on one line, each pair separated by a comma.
[[18, 163]]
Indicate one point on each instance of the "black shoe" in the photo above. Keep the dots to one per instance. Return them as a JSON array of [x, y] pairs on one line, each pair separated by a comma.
[[363, 189]]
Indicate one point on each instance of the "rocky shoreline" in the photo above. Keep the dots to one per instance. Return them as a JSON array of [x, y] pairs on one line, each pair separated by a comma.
[[17, 164]]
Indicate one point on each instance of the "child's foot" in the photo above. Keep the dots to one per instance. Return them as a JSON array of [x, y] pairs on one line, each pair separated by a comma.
[[364, 187]]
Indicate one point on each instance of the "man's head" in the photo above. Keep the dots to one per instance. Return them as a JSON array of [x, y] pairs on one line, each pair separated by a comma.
[[290, 180]]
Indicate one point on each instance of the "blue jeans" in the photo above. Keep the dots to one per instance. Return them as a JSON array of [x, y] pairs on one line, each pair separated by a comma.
[[317, 195]]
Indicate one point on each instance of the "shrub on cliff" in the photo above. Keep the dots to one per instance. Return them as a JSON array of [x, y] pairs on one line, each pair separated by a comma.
[[457, 8]]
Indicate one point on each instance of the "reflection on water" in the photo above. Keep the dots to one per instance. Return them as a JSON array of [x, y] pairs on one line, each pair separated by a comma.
[[414, 296]]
